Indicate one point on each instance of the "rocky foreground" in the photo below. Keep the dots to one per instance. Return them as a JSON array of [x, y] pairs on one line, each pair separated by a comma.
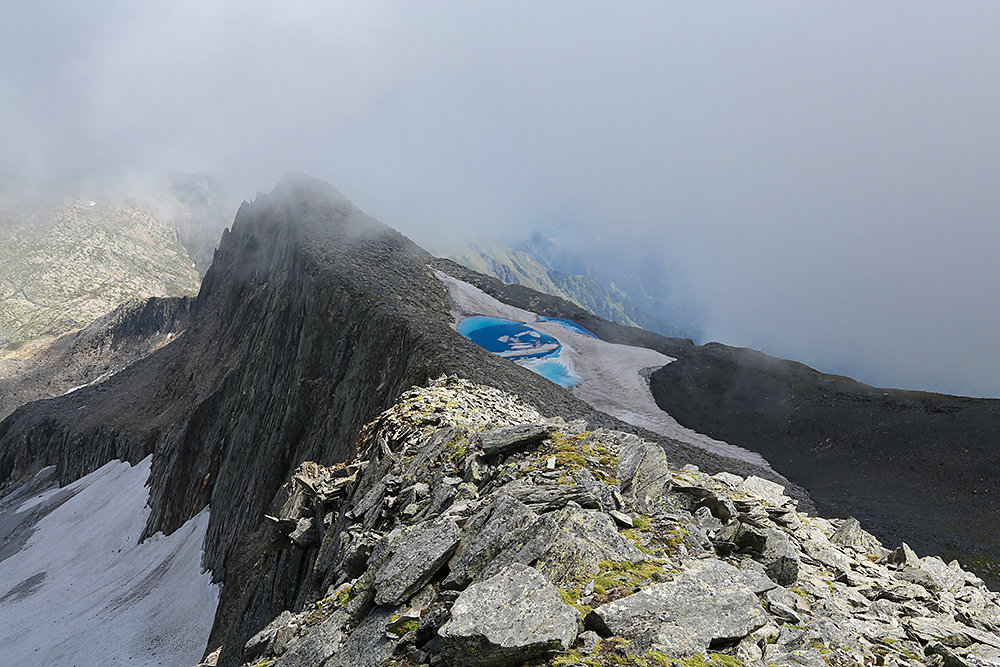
[[473, 531]]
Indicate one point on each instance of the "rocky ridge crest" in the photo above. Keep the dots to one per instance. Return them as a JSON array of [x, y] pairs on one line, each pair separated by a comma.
[[470, 530]]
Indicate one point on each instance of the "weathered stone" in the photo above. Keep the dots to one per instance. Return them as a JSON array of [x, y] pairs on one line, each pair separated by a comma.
[[416, 555], [587, 642], [850, 534], [486, 534], [312, 649], [305, 533], [943, 630], [755, 576], [706, 602], [829, 557], [550, 497], [728, 478], [643, 475], [622, 519], [704, 519], [257, 644], [607, 496], [780, 558], [764, 490], [503, 440], [903, 556], [749, 539], [584, 538], [943, 576], [369, 645], [512, 617]]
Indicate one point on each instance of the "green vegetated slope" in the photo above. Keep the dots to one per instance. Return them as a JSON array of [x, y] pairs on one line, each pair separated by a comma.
[[521, 268], [64, 261]]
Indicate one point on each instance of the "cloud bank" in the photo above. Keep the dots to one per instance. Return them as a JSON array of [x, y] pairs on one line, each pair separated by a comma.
[[820, 178]]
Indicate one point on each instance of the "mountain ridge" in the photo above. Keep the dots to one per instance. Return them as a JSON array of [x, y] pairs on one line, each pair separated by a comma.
[[312, 319]]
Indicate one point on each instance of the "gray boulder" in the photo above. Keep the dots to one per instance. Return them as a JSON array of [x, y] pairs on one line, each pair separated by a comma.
[[510, 618], [780, 557], [503, 440], [709, 601], [416, 554], [850, 534]]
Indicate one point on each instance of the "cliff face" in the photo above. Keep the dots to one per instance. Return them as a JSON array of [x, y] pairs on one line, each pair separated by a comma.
[[312, 319]]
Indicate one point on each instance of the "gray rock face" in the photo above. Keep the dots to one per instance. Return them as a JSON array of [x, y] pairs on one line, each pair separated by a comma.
[[416, 555], [585, 537], [707, 602], [489, 532], [512, 617], [780, 558]]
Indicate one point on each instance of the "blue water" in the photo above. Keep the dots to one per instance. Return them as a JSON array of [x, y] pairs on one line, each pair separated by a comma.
[[521, 344], [568, 324]]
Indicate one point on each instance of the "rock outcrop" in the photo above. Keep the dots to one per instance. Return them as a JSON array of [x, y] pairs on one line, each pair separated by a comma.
[[425, 553]]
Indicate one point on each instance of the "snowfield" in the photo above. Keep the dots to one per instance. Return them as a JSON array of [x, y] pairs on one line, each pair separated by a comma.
[[77, 587], [614, 375]]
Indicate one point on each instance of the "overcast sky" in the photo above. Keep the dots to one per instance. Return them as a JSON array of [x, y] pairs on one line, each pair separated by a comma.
[[822, 177]]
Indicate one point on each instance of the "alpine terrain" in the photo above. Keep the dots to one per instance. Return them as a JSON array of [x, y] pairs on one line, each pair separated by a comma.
[[344, 451]]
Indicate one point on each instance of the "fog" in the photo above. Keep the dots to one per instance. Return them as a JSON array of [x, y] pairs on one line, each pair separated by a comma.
[[820, 179]]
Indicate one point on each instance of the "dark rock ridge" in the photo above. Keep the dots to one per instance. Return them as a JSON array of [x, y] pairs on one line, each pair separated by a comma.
[[312, 319], [425, 556], [130, 332], [910, 465]]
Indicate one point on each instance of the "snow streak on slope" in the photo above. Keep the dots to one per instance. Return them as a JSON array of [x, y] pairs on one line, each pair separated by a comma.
[[77, 588], [614, 375]]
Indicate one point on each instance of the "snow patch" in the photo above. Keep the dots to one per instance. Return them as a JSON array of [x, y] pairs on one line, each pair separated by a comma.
[[82, 589], [615, 376]]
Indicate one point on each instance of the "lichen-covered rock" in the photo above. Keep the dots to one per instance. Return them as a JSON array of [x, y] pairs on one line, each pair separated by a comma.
[[512, 617], [584, 539], [850, 534], [709, 601], [764, 489], [416, 555]]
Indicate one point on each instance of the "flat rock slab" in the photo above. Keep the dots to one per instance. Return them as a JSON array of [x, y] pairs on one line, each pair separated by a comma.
[[708, 601], [510, 618], [764, 489], [501, 440], [416, 555]]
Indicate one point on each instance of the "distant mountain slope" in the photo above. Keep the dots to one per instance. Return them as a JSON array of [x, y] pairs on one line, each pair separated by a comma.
[[64, 263], [524, 268], [66, 259], [910, 465]]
